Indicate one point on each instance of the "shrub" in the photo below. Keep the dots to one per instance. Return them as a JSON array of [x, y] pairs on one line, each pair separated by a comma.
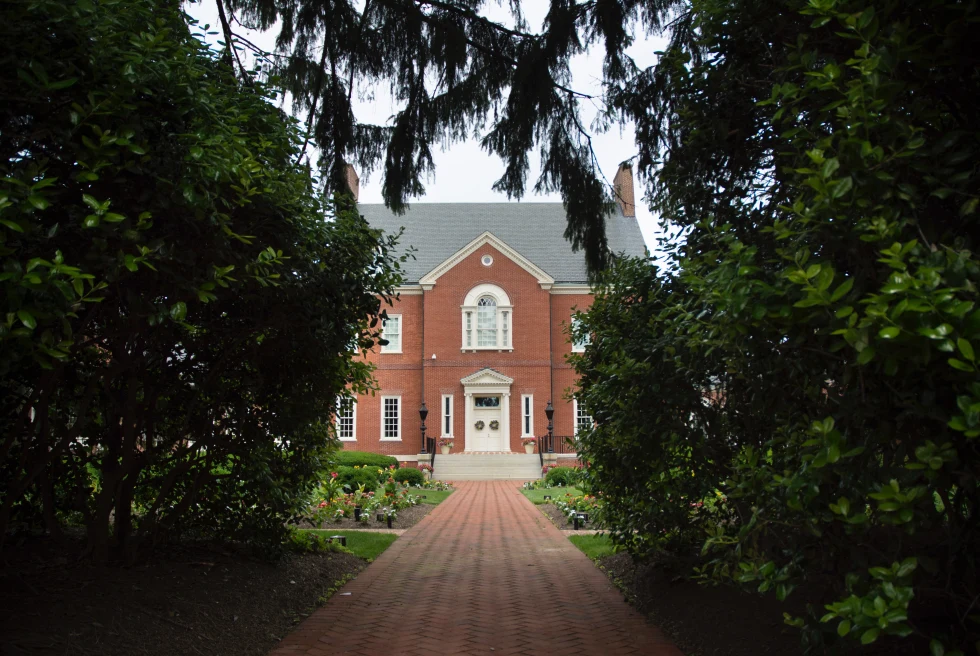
[[561, 476], [409, 476], [353, 478], [361, 458]]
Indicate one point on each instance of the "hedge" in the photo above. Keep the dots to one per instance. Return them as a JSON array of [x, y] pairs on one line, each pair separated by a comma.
[[351, 458]]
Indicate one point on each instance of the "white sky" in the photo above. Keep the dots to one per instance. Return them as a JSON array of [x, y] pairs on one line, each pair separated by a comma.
[[464, 173]]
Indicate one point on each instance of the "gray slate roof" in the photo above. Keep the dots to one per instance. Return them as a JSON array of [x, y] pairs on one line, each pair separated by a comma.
[[535, 230]]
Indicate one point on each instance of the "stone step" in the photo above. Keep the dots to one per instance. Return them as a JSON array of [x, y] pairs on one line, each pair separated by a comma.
[[487, 466]]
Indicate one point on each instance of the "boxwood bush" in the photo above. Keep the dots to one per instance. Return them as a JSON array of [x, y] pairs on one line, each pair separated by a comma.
[[562, 476], [351, 458], [409, 476], [352, 478]]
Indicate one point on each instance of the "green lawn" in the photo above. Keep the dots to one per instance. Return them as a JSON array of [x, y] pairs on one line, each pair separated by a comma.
[[433, 497], [365, 544], [593, 546], [537, 496]]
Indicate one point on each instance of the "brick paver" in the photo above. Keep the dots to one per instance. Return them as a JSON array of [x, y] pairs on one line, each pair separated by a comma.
[[483, 573]]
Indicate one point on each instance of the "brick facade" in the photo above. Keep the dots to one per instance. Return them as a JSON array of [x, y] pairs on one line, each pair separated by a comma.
[[432, 361]]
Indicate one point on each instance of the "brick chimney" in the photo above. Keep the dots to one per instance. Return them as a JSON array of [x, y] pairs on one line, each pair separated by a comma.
[[623, 188], [354, 182]]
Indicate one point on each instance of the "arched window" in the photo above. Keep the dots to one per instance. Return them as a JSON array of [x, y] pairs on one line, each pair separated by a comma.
[[487, 319]]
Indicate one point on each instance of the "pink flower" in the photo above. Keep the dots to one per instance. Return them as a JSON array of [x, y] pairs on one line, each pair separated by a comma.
[[333, 475]]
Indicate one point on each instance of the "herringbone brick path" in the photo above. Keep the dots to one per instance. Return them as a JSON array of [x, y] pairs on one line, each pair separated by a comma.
[[484, 573]]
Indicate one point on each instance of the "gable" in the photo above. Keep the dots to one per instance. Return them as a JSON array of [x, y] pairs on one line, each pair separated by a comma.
[[486, 376], [428, 280]]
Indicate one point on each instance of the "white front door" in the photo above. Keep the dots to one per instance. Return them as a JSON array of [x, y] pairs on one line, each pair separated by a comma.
[[486, 431]]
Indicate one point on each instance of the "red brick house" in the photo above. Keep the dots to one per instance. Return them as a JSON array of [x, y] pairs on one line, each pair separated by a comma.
[[478, 331]]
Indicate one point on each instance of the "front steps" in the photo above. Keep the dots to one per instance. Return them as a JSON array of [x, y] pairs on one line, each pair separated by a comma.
[[487, 466]]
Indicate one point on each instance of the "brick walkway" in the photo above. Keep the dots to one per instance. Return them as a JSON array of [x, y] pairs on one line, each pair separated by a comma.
[[484, 573]]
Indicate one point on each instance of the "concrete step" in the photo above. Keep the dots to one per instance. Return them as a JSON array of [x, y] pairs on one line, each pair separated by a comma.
[[487, 466]]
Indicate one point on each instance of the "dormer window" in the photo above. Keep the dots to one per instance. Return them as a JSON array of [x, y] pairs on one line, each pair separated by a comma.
[[487, 319]]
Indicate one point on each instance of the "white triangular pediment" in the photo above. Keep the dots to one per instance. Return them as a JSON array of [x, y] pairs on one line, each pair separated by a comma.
[[429, 280], [486, 376]]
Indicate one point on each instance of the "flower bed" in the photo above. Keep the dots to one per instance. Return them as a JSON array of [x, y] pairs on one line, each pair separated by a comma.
[[331, 503]]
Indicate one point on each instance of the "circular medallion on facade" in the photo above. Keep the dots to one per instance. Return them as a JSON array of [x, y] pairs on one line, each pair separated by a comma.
[[487, 260]]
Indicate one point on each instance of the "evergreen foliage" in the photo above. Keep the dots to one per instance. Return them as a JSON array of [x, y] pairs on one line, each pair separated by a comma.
[[178, 315], [793, 402], [455, 74]]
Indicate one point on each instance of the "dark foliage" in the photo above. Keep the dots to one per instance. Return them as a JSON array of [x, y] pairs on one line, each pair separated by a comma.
[[799, 385], [178, 313]]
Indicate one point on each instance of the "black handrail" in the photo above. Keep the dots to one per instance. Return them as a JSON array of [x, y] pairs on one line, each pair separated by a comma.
[[430, 446]]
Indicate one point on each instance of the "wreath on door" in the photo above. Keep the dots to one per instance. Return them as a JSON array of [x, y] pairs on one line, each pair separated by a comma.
[[479, 425], [494, 425]]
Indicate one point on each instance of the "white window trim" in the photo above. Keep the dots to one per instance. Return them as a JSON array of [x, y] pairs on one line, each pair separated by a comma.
[[470, 307], [391, 439], [353, 421], [575, 425], [442, 415], [401, 335], [527, 400], [578, 348]]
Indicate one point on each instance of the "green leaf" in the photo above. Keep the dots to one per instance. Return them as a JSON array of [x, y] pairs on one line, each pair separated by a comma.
[[91, 202], [965, 348], [936, 648], [40, 202], [91, 221], [842, 289], [870, 636], [112, 217], [844, 628], [197, 152], [891, 332], [969, 207], [178, 311], [842, 187], [959, 364], [12, 225], [27, 319]]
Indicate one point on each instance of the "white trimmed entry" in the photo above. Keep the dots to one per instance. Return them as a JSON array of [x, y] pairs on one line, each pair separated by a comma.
[[487, 399]]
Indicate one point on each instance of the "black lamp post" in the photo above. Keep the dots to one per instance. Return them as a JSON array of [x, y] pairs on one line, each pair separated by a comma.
[[423, 413], [549, 412]]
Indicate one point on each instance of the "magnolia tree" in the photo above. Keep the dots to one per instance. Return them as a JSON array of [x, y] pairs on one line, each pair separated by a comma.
[[179, 303], [792, 402]]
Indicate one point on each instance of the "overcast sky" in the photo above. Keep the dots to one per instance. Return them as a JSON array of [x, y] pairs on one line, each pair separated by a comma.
[[464, 173]]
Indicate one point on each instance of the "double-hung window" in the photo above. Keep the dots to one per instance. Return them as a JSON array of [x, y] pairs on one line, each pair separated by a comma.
[[346, 419], [580, 338], [582, 420], [527, 415], [392, 331], [391, 418], [447, 415]]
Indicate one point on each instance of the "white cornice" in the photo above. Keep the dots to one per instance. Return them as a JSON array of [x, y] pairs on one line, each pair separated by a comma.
[[572, 289], [409, 290], [429, 280]]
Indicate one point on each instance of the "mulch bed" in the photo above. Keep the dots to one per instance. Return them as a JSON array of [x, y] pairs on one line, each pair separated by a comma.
[[714, 620], [709, 620], [188, 599], [406, 518], [560, 520]]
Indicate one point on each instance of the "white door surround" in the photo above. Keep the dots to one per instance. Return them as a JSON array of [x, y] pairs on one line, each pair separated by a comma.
[[487, 383]]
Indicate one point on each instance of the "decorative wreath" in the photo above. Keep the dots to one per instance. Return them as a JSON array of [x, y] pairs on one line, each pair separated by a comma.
[[494, 425], [479, 425]]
